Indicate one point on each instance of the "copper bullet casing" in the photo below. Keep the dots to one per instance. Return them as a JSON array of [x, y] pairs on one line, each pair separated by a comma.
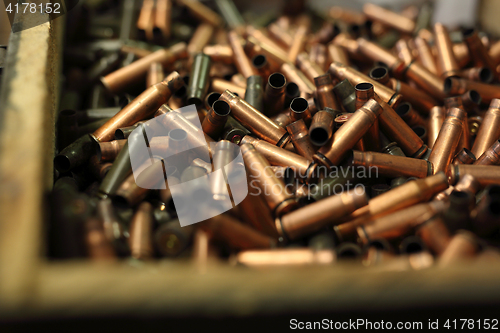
[[309, 68], [392, 166], [397, 130], [456, 86], [299, 109], [258, 168], [466, 183], [484, 174], [122, 78], [477, 50], [446, 62], [216, 118], [219, 85], [107, 151], [201, 37], [202, 12], [255, 121], [338, 54], [321, 129], [464, 156], [410, 116], [425, 55], [389, 18], [262, 66], [274, 94], [241, 60], [491, 156], [365, 92], [324, 92], [281, 157], [405, 195], [143, 106], [237, 235], [434, 234], [318, 56], [342, 72], [282, 119], [300, 139], [462, 247], [163, 17], [430, 83], [141, 232], [319, 214], [220, 53], [280, 35], [447, 140], [299, 38], [292, 74], [348, 135], [489, 131], [479, 74], [381, 75], [462, 55], [145, 21], [285, 257], [155, 74], [378, 53], [418, 99], [436, 119], [272, 50], [399, 223]]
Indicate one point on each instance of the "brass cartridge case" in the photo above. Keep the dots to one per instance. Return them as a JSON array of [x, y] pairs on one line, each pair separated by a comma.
[[365, 92], [107, 151], [281, 157], [282, 119], [494, 52], [145, 21], [300, 139], [342, 72], [448, 139], [220, 53], [318, 56], [309, 68], [457, 86], [241, 60], [235, 234], [292, 91], [348, 135], [346, 93], [255, 121], [299, 109], [284, 257], [491, 156], [198, 79], [466, 183], [464, 156], [274, 94], [446, 62], [462, 247], [292, 74], [392, 166], [489, 131], [325, 97], [210, 99], [219, 85], [202, 12], [380, 74], [124, 77], [299, 38], [435, 235], [389, 18], [138, 52], [141, 232], [410, 116], [462, 55], [216, 118], [338, 54], [418, 99], [478, 51], [425, 55], [319, 214], [201, 37], [484, 174], [170, 239], [430, 83], [254, 93], [259, 170], [399, 223], [378, 53], [421, 132], [271, 49], [163, 17], [143, 106], [397, 130], [350, 45], [280, 35], [262, 66], [155, 74], [436, 119], [479, 74], [98, 246], [321, 129]]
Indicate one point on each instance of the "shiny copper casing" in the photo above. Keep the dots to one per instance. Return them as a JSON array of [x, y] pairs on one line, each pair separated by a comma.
[[300, 139], [484, 174], [456, 86], [220, 53], [338, 54], [425, 55], [274, 94], [410, 116], [464, 156], [489, 131], [108, 151], [309, 68], [325, 98], [299, 109], [491, 156], [418, 99], [321, 129], [392, 166], [216, 118], [435, 235], [155, 74], [299, 38], [389, 18], [479, 53], [446, 62], [241, 60], [294, 75], [201, 37], [436, 119], [141, 232], [219, 86], [462, 247], [202, 12], [285, 257]]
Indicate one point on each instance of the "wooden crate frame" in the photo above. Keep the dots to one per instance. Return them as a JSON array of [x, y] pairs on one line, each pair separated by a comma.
[[33, 287]]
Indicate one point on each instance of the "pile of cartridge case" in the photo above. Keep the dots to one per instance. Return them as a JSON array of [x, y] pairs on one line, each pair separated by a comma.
[[369, 137]]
